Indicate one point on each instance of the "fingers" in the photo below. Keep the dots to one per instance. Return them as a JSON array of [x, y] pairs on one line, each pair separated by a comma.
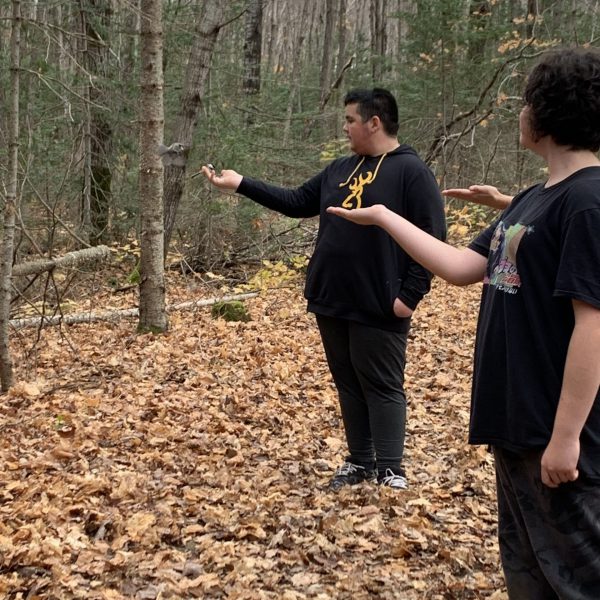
[[553, 478], [461, 193], [208, 172], [339, 211], [470, 191]]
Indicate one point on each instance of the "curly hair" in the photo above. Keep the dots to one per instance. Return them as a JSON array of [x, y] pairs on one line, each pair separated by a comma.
[[563, 95], [376, 102]]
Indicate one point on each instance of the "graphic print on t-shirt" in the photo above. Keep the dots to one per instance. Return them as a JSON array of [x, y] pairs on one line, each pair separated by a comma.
[[502, 270]]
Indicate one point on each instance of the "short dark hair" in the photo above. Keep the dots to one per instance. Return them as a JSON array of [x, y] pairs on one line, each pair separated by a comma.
[[375, 102], [563, 95]]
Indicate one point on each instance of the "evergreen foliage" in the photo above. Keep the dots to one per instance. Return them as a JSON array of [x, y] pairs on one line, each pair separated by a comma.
[[443, 59]]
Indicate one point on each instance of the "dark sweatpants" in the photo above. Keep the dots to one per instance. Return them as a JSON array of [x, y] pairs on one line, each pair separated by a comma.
[[367, 366], [549, 537]]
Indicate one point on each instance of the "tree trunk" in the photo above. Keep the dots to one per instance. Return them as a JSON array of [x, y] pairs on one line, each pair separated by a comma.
[[76, 258], [252, 47], [377, 39], [294, 79], [100, 127], [10, 207], [532, 14], [206, 31], [342, 27], [327, 57], [153, 316]]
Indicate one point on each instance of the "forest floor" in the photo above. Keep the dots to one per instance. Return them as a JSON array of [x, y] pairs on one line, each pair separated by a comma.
[[195, 464]]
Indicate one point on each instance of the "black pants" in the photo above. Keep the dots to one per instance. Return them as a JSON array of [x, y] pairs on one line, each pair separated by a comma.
[[549, 537], [367, 366]]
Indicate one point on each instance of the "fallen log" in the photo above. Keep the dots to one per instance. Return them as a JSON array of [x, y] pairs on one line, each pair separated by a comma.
[[117, 315], [69, 260]]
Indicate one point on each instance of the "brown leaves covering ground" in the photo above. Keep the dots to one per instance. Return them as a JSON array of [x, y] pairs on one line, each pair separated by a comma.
[[194, 465]]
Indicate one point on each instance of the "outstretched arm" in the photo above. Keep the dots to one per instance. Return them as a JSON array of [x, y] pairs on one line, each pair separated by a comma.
[[488, 195], [300, 202], [460, 267]]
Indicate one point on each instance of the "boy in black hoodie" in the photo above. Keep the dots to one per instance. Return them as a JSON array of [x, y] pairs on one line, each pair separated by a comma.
[[362, 287]]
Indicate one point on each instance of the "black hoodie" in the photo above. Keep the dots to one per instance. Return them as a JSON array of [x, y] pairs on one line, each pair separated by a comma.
[[357, 271]]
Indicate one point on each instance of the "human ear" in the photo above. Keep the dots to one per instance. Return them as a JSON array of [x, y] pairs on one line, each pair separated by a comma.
[[375, 123]]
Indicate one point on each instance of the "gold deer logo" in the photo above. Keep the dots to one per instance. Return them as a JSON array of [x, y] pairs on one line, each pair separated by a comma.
[[358, 183], [356, 190]]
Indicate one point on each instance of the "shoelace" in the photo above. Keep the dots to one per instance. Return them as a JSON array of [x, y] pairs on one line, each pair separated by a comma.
[[347, 469], [392, 480]]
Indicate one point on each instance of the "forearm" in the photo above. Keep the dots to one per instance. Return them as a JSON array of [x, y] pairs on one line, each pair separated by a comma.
[[298, 202], [416, 284], [459, 267]]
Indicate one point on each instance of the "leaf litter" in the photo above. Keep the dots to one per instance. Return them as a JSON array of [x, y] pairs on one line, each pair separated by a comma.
[[195, 465]]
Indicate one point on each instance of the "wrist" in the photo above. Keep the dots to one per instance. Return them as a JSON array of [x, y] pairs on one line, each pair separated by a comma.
[[565, 436], [381, 215]]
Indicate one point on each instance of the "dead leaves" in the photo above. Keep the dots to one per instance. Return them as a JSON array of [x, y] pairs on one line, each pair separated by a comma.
[[195, 464]]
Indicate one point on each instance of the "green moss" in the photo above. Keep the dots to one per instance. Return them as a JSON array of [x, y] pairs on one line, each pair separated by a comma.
[[230, 311]]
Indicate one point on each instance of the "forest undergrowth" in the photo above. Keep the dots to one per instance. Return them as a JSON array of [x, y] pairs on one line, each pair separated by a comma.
[[194, 464]]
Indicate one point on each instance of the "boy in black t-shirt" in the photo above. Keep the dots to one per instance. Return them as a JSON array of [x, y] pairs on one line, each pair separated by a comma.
[[536, 381]]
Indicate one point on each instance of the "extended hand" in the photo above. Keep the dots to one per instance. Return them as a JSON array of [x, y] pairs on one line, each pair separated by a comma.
[[226, 180], [559, 462], [488, 195], [362, 216]]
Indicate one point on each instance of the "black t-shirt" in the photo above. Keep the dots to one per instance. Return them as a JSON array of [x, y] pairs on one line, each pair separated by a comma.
[[543, 252]]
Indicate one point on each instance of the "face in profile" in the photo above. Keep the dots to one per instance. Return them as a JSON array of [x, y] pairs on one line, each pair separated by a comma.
[[357, 130]]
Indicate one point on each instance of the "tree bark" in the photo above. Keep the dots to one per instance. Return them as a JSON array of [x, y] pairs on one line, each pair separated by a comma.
[[72, 259], [294, 79], [327, 57], [10, 206], [532, 15], [100, 127], [206, 32], [378, 42], [153, 316], [252, 47], [85, 226]]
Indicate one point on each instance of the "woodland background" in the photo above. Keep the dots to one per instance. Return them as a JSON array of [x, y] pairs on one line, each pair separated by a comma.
[[192, 464], [257, 86]]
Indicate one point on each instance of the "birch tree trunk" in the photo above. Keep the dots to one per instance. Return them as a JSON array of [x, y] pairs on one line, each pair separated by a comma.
[[10, 207], [209, 21], [153, 316]]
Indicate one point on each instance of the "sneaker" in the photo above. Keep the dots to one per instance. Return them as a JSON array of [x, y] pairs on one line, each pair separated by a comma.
[[351, 474], [392, 480]]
